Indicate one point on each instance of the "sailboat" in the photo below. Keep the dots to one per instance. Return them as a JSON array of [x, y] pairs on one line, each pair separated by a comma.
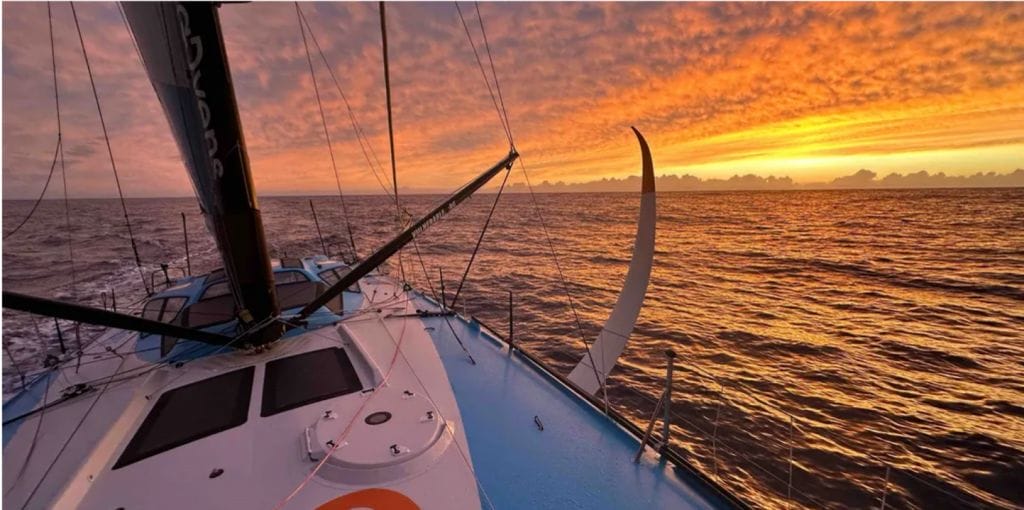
[[314, 382]]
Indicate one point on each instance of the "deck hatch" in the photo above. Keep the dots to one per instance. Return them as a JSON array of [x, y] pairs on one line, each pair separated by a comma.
[[307, 378], [191, 412]]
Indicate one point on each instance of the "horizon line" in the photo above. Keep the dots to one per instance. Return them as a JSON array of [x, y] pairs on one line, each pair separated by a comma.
[[560, 192]]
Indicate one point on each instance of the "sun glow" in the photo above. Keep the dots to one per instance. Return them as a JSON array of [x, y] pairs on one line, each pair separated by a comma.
[[811, 91]]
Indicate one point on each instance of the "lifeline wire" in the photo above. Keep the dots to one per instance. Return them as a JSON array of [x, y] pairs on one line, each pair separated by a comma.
[[40, 199], [480, 64], [327, 134], [64, 179], [110, 151], [366, 149], [536, 205]]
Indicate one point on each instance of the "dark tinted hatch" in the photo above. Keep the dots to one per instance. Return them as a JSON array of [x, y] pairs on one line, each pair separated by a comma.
[[191, 412], [307, 378]]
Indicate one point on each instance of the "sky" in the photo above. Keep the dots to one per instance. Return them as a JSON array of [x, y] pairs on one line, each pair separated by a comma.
[[808, 91]]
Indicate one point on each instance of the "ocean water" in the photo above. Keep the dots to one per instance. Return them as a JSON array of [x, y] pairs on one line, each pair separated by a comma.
[[835, 348]]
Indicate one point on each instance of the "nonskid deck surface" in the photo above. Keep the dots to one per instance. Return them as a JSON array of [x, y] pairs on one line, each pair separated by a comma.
[[535, 444]]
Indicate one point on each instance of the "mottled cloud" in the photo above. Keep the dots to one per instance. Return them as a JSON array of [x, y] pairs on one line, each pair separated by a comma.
[[809, 90]]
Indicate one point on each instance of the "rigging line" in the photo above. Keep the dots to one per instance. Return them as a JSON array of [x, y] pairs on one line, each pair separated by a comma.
[[430, 399], [348, 427], [480, 64], [43, 193], [256, 327], [416, 246], [110, 151], [356, 127], [64, 179], [39, 425], [63, 168], [14, 362], [494, 73], [74, 431], [327, 134], [561, 277], [391, 126], [480, 240], [128, 29]]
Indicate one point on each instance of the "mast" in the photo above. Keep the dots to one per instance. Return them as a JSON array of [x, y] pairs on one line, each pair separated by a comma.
[[183, 51]]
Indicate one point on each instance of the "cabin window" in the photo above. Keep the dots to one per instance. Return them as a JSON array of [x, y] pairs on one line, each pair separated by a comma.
[[215, 275], [290, 277], [216, 290], [210, 311], [291, 295], [334, 275], [331, 276], [171, 308], [152, 309], [164, 310], [190, 413], [306, 378]]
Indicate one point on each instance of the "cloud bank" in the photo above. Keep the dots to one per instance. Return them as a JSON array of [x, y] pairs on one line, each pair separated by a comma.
[[862, 179]]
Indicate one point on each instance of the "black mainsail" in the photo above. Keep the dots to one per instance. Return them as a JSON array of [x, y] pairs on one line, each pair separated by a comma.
[[181, 46]]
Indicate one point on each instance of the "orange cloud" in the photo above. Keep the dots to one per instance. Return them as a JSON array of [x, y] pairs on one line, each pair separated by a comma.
[[808, 90]]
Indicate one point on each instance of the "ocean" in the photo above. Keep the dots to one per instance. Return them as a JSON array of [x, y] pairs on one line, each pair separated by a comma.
[[836, 349]]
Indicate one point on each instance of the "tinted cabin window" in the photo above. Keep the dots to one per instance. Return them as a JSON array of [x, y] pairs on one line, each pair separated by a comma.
[[330, 276], [291, 295], [217, 274], [164, 310], [210, 311], [215, 290], [334, 275], [191, 412], [171, 308], [152, 309], [290, 277], [307, 378]]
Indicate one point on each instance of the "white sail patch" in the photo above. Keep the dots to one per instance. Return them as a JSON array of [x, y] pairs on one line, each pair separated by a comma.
[[591, 372]]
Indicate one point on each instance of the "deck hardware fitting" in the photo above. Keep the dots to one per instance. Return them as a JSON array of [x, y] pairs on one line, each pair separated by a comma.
[[511, 327], [216, 472], [60, 336], [667, 421], [309, 445], [538, 423], [650, 428]]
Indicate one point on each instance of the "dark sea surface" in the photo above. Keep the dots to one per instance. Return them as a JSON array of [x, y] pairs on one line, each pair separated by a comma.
[[865, 345]]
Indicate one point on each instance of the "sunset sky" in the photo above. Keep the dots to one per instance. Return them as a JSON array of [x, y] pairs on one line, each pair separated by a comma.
[[811, 91]]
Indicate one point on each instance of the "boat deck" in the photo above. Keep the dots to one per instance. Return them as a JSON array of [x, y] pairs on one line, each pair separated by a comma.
[[587, 459]]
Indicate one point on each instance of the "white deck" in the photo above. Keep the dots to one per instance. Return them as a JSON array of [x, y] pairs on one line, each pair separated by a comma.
[[265, 459]]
